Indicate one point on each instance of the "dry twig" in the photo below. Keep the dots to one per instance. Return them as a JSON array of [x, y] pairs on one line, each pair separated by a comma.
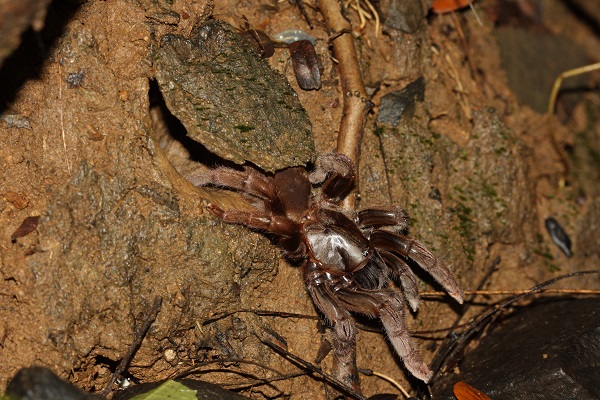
[[356, 103], [389, 379], [138, 335], [477, 324], [314, 370], [62, 119], [594, 292], [552, 103]]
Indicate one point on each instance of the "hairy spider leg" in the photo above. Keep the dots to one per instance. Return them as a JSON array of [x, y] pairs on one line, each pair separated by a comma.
[[344, 327], [336, 172], [250, 183], [275, 224], [410, 248], [393, 217], [388, 307], [406, 276]]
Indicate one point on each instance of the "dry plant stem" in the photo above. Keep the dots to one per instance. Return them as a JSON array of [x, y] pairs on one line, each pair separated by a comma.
[[478, 323], [386, 378], [62, 120], [259, 312], [196, 368], [568, 74], [441, 355], [138, 335], [308, 366], [513, 292], [356, 103], [552, 102], [262, 381]]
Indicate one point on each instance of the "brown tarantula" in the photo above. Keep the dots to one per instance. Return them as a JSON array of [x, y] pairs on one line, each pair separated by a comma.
[[347, 257]]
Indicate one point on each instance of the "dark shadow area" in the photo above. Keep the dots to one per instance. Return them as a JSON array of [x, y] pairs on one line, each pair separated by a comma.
[[584, 17], [178, 132], [545, 350], [27, 60]]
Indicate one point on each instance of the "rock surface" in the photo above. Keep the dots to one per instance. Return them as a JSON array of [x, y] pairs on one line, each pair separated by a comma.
[[548, 351], [229, 99]]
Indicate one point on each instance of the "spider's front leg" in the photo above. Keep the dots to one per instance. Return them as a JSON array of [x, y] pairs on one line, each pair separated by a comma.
[[344, 328], [336, 172], [249, 182], [275, 224]]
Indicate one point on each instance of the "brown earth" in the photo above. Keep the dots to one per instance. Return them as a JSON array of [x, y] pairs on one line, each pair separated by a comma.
[[478, 171]]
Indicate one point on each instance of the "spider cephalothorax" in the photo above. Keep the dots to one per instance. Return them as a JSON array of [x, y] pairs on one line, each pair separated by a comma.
[[347, 258]]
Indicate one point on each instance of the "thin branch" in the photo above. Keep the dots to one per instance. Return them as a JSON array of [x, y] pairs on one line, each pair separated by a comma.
[[441, 355], [196, 368], [356, 102], [480, 322], [138, 335], [370, 372], [514, 292], [552, 103], [62, 119], [567, 74], [280, 314], [314, 370], [263, 381]]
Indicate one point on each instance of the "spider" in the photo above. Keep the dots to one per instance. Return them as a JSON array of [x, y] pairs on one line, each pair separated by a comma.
[[347, 258]]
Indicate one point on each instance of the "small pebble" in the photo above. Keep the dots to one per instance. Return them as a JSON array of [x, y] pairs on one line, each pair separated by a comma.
[[170, 355], [559, 236]]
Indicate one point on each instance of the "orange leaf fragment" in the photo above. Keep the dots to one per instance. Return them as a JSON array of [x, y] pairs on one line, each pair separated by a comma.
[[464, 391], [18, 200], [445, 6]]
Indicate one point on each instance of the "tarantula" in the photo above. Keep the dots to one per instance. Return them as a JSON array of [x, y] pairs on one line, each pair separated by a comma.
[[347, 257]]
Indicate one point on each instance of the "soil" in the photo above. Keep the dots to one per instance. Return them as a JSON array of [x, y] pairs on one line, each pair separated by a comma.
[[90, 146]]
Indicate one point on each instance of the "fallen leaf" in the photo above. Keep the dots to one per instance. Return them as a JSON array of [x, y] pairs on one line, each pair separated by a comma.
[[464, 391], [28, 225], [445, 6]]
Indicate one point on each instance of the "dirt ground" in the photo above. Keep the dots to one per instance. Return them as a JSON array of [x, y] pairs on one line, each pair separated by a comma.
[[478, 166]]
